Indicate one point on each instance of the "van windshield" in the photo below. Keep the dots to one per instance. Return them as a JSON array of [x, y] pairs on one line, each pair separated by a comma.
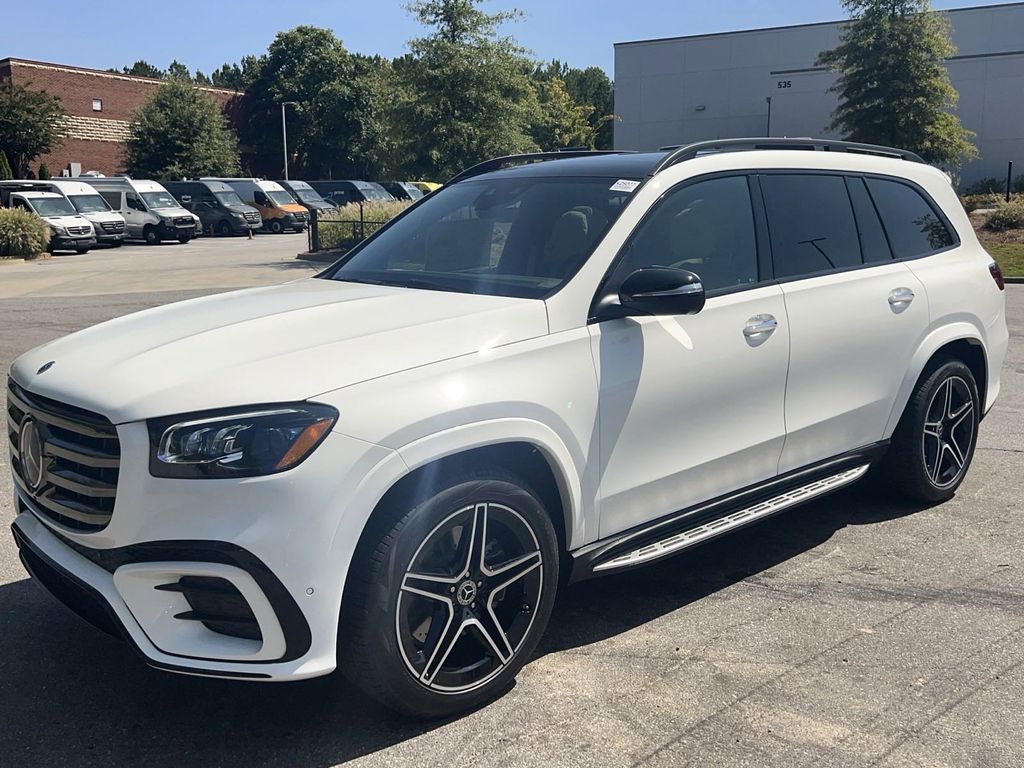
[[281, 198], [51, 206], [89, 203], [228, 198], [159, 200], [308, 196], [512, 236]]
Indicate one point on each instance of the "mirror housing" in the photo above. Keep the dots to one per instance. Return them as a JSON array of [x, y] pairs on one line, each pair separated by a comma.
[[655, 291]]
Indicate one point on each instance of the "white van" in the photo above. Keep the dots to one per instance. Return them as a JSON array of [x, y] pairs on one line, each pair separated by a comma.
[[150, 212], [109, 225], [69, 231]]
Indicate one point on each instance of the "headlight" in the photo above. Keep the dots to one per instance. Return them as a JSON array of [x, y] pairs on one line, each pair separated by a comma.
[[257, 441], [239, 216], [289, 215], [58, 229]]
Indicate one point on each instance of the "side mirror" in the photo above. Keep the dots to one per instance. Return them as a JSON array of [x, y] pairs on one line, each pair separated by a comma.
[[656, 291]]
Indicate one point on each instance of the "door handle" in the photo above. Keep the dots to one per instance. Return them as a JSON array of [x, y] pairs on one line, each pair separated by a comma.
[[760, 327], [900, 298]]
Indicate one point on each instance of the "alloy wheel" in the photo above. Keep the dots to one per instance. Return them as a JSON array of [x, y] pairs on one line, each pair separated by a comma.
[[468, 598], [948, 432]]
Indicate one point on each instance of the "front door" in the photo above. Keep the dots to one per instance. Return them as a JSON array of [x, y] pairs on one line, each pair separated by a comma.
[[692, 407], [136, 217]]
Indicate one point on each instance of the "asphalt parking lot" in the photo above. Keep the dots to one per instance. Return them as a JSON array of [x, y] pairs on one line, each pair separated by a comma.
[[848, 632]]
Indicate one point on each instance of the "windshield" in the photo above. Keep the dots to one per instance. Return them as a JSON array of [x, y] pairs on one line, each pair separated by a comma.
[[281, 198], [523, 237], [89, 203], [52, 206], [228, 198], [308, 196], [159, 200]]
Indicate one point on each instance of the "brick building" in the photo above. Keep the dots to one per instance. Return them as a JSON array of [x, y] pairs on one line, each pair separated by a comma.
[[99, 106]]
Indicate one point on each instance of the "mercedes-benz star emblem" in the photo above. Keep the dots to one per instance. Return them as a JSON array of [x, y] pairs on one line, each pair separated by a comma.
[[30, 450], [466, 593], [45, 367]]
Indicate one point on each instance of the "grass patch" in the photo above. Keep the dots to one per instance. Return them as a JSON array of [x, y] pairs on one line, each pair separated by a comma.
[[1009, 256]]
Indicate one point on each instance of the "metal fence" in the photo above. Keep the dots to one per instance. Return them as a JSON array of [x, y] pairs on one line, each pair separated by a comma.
[[327, 233]]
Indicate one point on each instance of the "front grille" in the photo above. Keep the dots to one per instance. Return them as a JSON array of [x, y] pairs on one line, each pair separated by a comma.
[[80, 459], [253, 217], [184, 221], [113, 227], [300, 216], [77, 230]]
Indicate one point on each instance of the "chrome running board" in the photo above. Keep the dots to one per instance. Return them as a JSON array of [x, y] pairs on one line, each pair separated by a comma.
[[720, 525]]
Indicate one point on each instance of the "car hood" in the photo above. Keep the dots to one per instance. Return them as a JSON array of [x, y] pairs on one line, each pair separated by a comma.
[[171, 212], [68, 221], [262, 345], [102, 216]]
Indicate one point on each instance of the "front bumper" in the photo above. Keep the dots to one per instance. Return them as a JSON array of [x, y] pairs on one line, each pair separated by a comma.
[[173, 232], [58, 243], [281, 541], [110, 238]]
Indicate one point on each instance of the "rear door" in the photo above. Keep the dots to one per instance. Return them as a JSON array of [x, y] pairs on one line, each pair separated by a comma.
[[856, 313]]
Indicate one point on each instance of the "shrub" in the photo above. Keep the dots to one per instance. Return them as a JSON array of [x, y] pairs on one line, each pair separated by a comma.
[[44, 171], [22, 234], [5, 167], [342, 228], [972, 203], [986, 186], [1007, 216], [1018, 184]]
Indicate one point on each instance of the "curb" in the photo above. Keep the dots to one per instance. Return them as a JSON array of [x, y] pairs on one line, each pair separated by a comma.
[[324, 257], [1013, 280]]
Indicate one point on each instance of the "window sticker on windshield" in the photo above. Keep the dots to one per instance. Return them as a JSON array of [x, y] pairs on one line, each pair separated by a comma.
[[624, 185]]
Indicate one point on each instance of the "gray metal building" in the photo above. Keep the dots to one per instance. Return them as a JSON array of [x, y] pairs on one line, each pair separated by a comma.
[[765, 82]]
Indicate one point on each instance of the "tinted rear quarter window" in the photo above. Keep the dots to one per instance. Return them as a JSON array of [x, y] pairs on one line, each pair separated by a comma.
[[873, 243], [811, 224], [912, 224]]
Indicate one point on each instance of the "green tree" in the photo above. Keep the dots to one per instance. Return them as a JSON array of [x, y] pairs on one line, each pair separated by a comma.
[[466, 92], [336, 125], [893, 87], [44, 171], [180, 132], [31, 124], [589, 87], [142, 68], [559, 121], [178, 70], [5, 167], [235, 76]]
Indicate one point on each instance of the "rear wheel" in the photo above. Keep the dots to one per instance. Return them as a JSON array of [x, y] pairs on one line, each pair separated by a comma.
[[448, 597], [934, 443], [151, 236]]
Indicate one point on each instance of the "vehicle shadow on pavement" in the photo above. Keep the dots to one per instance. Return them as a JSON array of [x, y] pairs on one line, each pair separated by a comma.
[[69, 695], [603, 607]]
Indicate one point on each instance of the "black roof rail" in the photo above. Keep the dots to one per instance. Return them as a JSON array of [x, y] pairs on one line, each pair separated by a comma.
[[498, 163], [679, 154]]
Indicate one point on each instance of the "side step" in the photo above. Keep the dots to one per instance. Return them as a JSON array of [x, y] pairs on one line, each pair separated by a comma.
[[730, 522]]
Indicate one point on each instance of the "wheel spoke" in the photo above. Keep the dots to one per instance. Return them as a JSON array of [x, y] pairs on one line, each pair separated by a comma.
[[426, 585], [933, 429], [441, 647], [964, 413], [947, 408], [954, 451], [487, 624], [512, 571], [477, 539]]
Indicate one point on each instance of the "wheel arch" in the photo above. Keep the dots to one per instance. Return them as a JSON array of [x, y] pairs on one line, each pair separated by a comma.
[[962, 341]]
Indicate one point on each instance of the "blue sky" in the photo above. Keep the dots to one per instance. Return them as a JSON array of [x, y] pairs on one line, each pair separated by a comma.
[[206, 34]]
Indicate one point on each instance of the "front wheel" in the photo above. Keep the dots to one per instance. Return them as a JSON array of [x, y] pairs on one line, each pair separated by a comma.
[[224, 228], [447, 597], [151, 236], [934, 442], [184, 238], [276, 226], [82, 251]]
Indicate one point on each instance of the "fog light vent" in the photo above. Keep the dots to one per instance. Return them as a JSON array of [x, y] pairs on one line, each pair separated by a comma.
[[217, 604]]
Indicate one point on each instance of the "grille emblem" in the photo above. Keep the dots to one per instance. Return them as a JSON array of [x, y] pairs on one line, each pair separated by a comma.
[[45, 367], [30, 450]]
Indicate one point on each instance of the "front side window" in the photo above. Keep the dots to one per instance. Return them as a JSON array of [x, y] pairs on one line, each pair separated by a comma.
[[706, 228], [811, 223], [513, 236], [913, 227]]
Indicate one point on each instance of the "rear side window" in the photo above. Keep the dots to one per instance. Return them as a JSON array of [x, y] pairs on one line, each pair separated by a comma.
[[811, 222], [913, 226], [873, 244]]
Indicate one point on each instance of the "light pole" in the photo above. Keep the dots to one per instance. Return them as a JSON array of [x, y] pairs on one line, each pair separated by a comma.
[[284, 135]]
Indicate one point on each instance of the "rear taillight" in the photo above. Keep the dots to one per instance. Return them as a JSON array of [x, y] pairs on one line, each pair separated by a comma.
[[997, 275]]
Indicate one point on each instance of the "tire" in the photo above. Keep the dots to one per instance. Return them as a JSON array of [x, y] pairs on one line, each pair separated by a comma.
[[117, 244], [151, 236], [933, 445], [81, 251], [184, 238], [399, 632], [224, 228], [276, 226]]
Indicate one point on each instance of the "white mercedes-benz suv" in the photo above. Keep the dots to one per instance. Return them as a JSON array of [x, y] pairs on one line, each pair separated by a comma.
[[557, 366]]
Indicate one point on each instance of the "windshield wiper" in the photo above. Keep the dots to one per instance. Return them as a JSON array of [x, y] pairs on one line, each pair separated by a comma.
[[414, 282]]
